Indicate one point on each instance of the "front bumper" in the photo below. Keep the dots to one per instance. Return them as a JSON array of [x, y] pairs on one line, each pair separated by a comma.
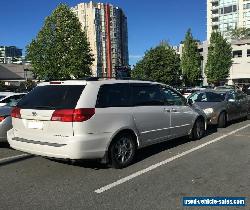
[[212, 119]]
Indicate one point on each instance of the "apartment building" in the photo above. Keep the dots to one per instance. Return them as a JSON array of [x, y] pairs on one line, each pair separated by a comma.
[[239, 72], [106, 29], [224, 15]]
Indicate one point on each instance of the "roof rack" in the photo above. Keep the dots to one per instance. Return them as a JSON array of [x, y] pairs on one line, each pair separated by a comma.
[[100, 78]]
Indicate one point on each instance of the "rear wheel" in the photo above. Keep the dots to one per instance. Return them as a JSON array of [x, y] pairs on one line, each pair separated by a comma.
[[122, 151], [198, 130], [248, 116], [222, 120]]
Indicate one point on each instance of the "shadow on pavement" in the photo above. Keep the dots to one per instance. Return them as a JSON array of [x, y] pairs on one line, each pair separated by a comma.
[[142, 154], [92, 164], [4, 145], [15, 160]]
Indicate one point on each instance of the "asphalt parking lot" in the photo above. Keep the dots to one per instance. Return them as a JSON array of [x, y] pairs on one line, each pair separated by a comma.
[[217, 165]]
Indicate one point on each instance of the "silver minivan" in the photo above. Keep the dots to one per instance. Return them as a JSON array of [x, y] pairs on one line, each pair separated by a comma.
[[101, 119]]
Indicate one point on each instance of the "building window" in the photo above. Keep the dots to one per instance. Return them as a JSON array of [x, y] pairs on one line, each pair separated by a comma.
[[237, 54], [228, 9], [246, 6], [248, 53]]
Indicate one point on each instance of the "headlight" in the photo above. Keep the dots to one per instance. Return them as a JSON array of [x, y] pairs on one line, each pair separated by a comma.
[[208, 111]]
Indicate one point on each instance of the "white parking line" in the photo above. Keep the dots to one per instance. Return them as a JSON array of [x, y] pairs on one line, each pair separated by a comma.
[[13, 158], [152, 167]]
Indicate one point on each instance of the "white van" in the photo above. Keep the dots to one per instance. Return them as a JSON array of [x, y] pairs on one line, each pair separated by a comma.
[[102, 119]]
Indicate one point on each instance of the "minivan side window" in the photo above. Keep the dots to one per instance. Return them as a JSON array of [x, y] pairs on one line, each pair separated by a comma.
[[172, 98], [113, 95], [147, 95]]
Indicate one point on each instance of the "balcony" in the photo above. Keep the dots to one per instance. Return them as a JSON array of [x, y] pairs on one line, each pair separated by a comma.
[[215, 20], [215, 3], [215, 26], [215, 11]]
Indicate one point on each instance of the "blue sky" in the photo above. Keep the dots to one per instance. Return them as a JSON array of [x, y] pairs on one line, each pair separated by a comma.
[[149, 22]]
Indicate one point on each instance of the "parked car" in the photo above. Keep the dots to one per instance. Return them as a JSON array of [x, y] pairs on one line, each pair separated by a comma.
[[221, 106], [7, 97], [188, 91], [5, 119], [227, 87], [102, 119]]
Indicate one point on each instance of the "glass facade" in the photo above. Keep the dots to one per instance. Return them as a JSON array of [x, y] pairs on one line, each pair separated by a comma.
[[228, 19]]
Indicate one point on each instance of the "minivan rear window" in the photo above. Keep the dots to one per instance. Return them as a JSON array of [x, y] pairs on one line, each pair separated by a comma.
[[52, 97]]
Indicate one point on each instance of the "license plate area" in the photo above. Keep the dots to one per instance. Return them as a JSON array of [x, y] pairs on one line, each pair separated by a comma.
[[32, 124]]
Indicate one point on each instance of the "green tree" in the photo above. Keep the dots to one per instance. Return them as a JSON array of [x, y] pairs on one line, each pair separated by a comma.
[[2, 86], [190, 60], [240, 33], [159, 64], [219, 59], [61, 49], [27, 85]]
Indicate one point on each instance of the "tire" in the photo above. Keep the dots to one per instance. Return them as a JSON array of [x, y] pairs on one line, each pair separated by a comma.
[[122, 151], [222, 120], [198, 130]]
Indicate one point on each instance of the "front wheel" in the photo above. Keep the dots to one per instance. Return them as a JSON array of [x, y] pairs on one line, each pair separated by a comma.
[[198, 130], [222, 120], [122, 151]]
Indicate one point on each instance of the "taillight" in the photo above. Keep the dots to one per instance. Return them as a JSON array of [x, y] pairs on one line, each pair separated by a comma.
[[16, 112], [2, 118], [73, 115]]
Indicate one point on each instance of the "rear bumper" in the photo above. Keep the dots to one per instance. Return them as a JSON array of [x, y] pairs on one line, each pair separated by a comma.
[[89, 146]]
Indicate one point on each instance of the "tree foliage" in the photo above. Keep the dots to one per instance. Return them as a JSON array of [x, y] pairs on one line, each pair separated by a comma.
[[190, 60], [219, 59], [61, 49], [240, 33], [26, 86], [159, 64]]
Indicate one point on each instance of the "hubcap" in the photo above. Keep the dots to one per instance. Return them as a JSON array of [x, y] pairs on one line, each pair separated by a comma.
[[123, 150]]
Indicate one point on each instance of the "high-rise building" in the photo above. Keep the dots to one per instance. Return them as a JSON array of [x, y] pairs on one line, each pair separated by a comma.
[[224, 15], [10, 54], [106, 29]]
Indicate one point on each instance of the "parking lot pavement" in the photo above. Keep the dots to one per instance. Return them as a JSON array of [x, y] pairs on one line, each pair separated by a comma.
[[6, 152], [217, 165]]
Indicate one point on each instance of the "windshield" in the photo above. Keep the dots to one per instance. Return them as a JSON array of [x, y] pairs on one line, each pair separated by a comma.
[[207, 97], [52, 97]]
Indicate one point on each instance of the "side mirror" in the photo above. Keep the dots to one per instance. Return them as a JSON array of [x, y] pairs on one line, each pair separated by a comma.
[[189, 101]]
